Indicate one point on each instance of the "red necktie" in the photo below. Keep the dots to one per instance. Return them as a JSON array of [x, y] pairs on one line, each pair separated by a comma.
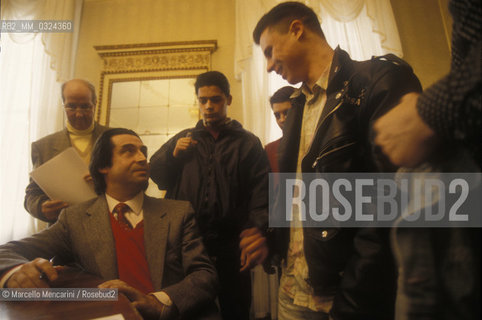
[[119, 213]]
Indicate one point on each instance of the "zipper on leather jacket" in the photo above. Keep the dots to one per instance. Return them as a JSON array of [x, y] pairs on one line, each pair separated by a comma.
[[323, 154], [342, 94], [321, 123]]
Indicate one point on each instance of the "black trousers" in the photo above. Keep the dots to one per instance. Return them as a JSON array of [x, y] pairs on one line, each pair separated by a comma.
[[235, 287]]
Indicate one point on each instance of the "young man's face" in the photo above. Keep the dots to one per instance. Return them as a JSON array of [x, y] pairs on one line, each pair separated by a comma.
[[213, 104], [78, 105], [280, 111], [129, 167], [283, 54]]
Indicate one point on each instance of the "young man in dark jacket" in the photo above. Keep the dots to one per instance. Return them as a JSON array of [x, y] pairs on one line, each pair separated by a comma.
[[341, 273], [222, 170]]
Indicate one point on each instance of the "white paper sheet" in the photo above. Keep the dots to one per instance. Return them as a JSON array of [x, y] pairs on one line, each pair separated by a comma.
[[62, 178]]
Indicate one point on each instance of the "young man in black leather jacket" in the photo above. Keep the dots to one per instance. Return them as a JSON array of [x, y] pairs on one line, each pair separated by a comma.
[[350, 271]]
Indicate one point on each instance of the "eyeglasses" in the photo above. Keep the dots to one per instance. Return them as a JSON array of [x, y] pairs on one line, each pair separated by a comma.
[[72, 107]]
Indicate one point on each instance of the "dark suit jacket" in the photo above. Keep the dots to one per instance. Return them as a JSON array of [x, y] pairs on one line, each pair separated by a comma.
[[177, 260], [42, 151]]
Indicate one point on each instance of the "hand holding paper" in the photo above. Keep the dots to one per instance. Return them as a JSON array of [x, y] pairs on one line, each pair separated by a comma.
[[51, 209], [64, 179]]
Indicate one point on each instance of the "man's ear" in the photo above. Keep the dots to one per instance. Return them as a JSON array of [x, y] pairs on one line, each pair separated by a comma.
[[229, 99], [297, 28]]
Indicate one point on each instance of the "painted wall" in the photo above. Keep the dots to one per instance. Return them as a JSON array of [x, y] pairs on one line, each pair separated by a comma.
[[424, 27], [109, 22]]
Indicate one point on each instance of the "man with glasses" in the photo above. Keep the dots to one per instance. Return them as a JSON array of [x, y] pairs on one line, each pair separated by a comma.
[[79, 100], [222, 170]]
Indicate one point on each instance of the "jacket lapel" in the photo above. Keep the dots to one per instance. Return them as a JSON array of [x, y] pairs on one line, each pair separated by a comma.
[[336, 87], [102, 244], [156, 230], [335, 93], [62, 142]]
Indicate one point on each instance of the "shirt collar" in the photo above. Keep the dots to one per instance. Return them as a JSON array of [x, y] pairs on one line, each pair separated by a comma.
[[320, 85], [135, 204]]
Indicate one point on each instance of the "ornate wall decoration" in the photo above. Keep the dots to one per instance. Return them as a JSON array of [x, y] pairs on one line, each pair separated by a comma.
[[148, 61]]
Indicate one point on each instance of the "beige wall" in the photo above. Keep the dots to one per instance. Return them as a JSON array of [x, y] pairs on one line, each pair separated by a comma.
[[108, 22], [423, 26]]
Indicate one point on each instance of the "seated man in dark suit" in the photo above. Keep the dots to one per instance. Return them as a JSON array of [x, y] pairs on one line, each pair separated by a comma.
[[80, 132], [148, 248]]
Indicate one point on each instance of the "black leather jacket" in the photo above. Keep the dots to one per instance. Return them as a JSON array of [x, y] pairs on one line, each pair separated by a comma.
[[354, 265]]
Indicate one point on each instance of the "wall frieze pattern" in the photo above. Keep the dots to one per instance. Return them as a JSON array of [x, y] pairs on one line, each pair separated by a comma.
[[157, 61]]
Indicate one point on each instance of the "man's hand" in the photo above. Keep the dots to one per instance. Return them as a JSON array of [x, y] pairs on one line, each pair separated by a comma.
[[253, 248], [33, 274], [403, 136], [51, 209], [147, 305], [182, 145]]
